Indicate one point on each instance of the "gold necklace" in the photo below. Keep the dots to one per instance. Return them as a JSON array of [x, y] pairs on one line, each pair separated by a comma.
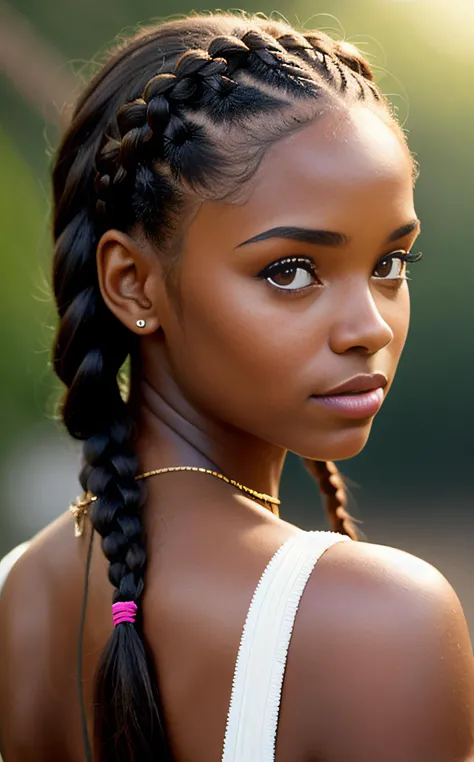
[[79, 508]]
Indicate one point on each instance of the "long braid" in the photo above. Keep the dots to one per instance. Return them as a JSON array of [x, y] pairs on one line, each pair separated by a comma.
[[91, 346], [332, 487], [132, 153]]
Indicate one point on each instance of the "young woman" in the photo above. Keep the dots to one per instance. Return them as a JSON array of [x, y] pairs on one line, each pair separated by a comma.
[[233, 213]]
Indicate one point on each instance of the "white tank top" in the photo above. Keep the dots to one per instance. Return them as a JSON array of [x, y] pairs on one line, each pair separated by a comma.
[[8, 561], [252, 720]]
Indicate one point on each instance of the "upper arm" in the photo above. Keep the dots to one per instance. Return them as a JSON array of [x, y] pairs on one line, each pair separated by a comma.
[[40, 608], [20, 657], [389, 665], [26, 676]]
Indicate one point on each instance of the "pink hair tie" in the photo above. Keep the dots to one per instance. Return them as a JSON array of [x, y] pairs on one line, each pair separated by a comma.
[[124, 611]]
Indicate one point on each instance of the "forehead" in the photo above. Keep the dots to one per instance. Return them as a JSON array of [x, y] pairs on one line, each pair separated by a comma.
[[345, 154], [339, 171], [349, 145]]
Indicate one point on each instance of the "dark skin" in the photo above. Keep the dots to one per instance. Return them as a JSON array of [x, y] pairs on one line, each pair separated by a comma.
[[380, 665]]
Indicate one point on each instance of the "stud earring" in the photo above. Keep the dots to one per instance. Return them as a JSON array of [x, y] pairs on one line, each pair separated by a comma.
[[141, 323]]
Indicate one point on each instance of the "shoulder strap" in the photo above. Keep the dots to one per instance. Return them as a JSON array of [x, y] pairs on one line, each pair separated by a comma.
[[258, 677], [8, 562]]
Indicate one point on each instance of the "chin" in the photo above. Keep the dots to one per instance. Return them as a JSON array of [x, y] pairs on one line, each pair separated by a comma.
[[339, 445]]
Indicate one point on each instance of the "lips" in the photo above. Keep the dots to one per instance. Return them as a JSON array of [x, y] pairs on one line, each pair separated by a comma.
[[364, 382], [360, 397]]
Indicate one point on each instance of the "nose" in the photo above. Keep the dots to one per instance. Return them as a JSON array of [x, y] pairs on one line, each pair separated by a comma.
[[358, 324]]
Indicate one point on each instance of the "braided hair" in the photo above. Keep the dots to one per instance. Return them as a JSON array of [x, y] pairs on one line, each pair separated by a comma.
[[141, 143]]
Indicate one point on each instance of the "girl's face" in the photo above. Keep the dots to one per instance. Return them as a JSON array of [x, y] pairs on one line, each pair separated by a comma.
[[300, 290]]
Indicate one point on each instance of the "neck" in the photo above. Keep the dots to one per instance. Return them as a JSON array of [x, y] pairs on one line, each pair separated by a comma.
[[173, 432]]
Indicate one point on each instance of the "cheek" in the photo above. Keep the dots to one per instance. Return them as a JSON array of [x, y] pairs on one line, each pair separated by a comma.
[[244, 349], [396, 313]]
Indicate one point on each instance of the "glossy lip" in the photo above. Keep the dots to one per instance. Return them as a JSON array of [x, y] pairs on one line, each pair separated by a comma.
[[359, 397]]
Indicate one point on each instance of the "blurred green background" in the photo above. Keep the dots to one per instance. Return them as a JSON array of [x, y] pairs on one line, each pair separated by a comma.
[[413, 483]]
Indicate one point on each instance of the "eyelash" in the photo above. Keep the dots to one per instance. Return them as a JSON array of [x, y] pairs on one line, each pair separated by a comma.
[[403, 256], [292, 264], [288, 264]]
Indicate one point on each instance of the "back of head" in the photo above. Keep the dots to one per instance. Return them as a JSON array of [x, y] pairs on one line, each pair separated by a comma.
[[180, 113]]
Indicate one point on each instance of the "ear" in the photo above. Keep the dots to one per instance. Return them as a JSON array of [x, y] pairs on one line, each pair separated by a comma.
[[130, 280]]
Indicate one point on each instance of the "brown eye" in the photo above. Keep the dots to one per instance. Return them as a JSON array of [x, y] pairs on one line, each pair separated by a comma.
[[391, 268], [290, 274], [292, 278]]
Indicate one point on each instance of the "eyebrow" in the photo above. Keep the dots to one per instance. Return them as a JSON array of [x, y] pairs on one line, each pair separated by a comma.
[[304, 235], [322, 237], [404, 230]]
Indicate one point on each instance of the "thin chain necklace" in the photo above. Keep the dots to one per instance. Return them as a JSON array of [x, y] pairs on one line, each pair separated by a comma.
[[80, 507]]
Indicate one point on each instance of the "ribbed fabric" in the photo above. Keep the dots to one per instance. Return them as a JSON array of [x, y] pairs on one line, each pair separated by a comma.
[[252, 720]]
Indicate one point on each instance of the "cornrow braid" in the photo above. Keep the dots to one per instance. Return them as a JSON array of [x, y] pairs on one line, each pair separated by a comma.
[[345, 59], [337, 60], [90, 348], [155, 125], [332, 487], [141, 141], [349, 56]]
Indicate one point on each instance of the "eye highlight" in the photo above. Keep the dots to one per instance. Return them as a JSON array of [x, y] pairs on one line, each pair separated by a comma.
[[394, 265], [290, 274]]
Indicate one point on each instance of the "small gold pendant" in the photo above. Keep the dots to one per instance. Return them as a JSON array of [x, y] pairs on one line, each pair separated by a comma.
[[79, 509]]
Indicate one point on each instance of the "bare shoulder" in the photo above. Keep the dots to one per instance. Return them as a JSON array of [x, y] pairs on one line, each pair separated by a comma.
[[382, 660], [26, 590], [47, 554], [30, 630], [386, 577]]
